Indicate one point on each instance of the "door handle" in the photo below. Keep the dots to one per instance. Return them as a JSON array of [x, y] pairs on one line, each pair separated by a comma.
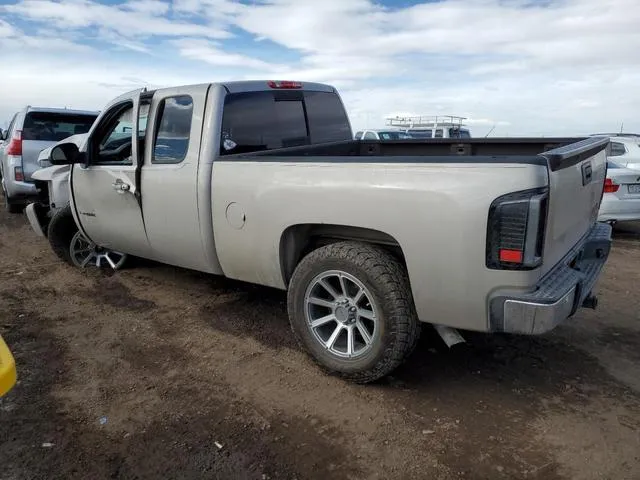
[[121, 187]]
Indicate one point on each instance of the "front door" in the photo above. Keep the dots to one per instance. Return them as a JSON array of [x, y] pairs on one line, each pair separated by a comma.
[[105, 197]]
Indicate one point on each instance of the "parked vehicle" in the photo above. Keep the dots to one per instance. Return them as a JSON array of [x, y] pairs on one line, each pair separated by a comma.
[[31, 130], [431, 126], [625, 151], [7, 368], [381, 135], [262, 182], [621, 199]]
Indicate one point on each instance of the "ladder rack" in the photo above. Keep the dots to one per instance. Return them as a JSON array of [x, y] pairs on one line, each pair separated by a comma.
[[425, 121]]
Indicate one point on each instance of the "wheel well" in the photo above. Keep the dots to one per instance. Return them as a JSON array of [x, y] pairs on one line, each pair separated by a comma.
[[299, 240]]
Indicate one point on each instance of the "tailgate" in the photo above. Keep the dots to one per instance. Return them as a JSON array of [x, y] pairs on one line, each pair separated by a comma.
[[576, 179], [30, 151]]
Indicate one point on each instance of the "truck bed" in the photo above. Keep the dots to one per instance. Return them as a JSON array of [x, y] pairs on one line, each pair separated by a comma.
[[558, 152]]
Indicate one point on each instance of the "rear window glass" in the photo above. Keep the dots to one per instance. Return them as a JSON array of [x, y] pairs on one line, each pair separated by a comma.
[[53, 127], [328, 120], [617, 149], [420, 133], [257, 121], [459, 133], [393, 136]]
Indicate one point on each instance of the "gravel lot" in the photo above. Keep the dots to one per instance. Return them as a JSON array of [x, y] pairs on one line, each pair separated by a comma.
[[159, 372]]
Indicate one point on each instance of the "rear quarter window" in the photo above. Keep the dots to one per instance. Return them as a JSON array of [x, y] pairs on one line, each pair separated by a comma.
[[53, 127], [617, 149], [267, 120]]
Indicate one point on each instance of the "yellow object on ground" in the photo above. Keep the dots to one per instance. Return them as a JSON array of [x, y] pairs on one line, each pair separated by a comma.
[[7, 369]]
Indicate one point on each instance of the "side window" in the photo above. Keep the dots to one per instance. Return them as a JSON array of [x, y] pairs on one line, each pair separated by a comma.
[[174, 127], [438, 133], [370, 136], [112, 144], [358, 135], [617, 149]]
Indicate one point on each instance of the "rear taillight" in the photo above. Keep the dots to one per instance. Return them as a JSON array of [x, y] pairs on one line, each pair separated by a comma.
[[515, 230], [610, 187], [18, 174], [15, 144], [284, 84]]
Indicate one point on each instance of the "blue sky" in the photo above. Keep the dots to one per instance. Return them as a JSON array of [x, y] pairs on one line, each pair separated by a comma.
[[548, 67]]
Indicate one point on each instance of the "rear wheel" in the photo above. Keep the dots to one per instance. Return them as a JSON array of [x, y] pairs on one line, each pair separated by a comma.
[[71, 246], [350, 307]]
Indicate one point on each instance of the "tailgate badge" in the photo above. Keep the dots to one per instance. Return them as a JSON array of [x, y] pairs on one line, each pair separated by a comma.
[[586, 173]]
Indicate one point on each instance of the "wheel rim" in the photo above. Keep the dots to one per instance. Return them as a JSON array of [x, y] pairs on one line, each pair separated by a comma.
[[86, 253], [341, 313]]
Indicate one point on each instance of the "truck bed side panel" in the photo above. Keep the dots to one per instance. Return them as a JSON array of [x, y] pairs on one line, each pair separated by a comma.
[[436, 212]]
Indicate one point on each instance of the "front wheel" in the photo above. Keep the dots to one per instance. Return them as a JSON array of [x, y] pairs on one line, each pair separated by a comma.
[[70, 245], [350, 307]]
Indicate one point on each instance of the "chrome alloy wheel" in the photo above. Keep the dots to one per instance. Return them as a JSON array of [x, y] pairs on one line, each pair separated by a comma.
[[341, 313], [84, 252]]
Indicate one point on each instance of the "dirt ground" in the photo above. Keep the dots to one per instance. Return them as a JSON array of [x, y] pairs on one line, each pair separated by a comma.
[[159, 372]]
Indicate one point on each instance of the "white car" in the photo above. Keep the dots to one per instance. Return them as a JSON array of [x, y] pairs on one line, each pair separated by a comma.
[[621, 199], [381, 135], [624, 149]]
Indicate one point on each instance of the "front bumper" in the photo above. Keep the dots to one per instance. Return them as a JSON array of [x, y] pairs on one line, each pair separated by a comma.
[[38, 219], [559, 293]]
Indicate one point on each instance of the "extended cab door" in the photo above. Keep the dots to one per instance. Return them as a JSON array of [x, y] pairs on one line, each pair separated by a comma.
[[175, 181], [105, 191]]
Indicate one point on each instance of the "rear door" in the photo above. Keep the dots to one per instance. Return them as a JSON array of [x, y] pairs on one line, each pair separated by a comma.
[[42, 128], [172, 190], [576, 181], [105, 192]]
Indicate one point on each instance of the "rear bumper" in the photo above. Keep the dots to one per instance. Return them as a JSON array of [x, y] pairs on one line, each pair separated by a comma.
[[558, 294], [614, 209], [19, 190]]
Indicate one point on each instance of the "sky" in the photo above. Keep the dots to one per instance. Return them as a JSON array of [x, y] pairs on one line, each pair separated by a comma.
[[512, 67]]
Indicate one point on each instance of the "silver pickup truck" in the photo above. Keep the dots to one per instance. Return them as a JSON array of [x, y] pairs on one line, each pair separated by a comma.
[[262, 182]]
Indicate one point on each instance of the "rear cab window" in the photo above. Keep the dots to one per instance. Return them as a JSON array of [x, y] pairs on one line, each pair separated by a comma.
[[54, 126], [267, 120]]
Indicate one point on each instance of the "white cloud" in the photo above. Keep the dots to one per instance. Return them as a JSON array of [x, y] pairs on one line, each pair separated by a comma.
[[135, 19], [559, 67], [213, 54]]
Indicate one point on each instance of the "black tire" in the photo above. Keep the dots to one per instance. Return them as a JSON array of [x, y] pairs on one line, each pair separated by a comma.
[[62, 228], [386, 278]]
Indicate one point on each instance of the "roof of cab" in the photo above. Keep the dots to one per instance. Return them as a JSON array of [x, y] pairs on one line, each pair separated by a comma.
[[60, 110], [261, 85]]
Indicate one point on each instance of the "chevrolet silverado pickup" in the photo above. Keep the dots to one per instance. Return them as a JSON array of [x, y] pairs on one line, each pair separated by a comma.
[[262, 181]]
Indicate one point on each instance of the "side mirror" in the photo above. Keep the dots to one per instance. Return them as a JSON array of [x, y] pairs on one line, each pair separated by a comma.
[[66, 154]]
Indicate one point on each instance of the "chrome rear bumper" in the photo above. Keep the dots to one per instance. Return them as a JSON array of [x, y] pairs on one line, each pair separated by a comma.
[[559, 293]]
